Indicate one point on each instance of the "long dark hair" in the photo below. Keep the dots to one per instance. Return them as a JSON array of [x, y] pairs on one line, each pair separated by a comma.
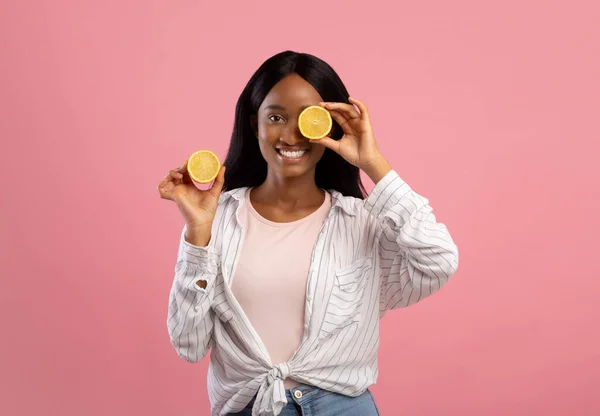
[[245, 163]]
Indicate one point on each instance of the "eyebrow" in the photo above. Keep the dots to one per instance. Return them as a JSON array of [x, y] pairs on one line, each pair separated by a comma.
[[278, 107]]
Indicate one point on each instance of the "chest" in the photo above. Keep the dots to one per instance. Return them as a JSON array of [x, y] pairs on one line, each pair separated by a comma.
[[331, 270], [333, 244], [273, 262]]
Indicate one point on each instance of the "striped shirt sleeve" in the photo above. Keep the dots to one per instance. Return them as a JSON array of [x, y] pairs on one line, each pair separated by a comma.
[[190, 317], [416, 253]]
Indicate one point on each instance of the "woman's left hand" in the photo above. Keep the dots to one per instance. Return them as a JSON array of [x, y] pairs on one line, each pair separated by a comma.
[[358, 145]]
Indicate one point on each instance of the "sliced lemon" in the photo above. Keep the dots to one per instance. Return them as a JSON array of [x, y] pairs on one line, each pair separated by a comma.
[[315, 122], [203, 166]]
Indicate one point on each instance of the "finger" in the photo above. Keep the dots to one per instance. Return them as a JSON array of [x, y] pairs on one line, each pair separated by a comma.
[[347, 109], [185, 178], [163, 190], [217, 185], [183, 167], [341, 120], [363, 108], [175, 175], [329, 143]]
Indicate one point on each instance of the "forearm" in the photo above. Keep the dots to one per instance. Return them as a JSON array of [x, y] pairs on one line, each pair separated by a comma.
[[417, 253], [190, 317], [198, 236], [377, 169]]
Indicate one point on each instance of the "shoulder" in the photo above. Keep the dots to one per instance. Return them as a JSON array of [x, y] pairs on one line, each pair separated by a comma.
[[232, 196], [229, 201], [348, 206]]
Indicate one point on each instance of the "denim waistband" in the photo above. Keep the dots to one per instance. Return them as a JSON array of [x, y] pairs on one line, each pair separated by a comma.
[[307, 393]]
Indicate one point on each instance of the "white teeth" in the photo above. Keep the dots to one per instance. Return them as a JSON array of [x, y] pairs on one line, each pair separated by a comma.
[[293, 155]]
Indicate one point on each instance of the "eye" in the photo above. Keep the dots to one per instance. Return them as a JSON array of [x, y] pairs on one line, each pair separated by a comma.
[[275, 118]]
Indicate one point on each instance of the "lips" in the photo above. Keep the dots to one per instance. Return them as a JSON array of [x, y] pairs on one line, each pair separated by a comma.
[[290, 156], [294, 154], [291, 149]]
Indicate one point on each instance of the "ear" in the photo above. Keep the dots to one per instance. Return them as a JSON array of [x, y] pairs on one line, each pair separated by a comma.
[[254, 123]]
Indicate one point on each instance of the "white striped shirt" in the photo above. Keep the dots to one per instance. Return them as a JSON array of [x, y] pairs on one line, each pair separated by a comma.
[[384, 252]]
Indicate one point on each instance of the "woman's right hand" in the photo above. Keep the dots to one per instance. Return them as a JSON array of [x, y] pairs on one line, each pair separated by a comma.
[[198, 207]]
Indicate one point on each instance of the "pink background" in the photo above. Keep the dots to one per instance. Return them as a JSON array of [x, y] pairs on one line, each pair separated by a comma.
[[491, 111]]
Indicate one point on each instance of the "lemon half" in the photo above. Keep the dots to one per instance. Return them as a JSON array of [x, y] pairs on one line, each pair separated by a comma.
[[315, 122], [203, 166]]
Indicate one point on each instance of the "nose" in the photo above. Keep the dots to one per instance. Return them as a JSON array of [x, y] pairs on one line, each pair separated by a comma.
[[292, 135]]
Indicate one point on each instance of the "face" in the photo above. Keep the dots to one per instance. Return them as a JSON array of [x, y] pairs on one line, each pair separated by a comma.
[[287, 152]]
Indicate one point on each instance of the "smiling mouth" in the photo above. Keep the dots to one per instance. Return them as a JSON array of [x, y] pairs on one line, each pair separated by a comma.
[[296, 154]]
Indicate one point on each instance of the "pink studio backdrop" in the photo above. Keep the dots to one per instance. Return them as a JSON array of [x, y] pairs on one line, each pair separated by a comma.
[[491, 111]]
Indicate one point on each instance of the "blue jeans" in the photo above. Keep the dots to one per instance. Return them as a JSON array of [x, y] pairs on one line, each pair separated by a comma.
[[317, 402]]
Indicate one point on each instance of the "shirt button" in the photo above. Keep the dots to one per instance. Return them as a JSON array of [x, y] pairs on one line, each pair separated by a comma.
[[298, 394], [308, 298]]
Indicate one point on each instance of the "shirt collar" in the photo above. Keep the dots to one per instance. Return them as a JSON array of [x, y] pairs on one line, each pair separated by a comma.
[[345, 203]]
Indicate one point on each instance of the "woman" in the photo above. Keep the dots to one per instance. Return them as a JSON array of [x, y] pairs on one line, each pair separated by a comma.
[[284, 268]]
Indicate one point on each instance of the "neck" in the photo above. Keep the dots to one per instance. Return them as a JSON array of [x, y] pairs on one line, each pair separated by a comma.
[[289, 191]]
